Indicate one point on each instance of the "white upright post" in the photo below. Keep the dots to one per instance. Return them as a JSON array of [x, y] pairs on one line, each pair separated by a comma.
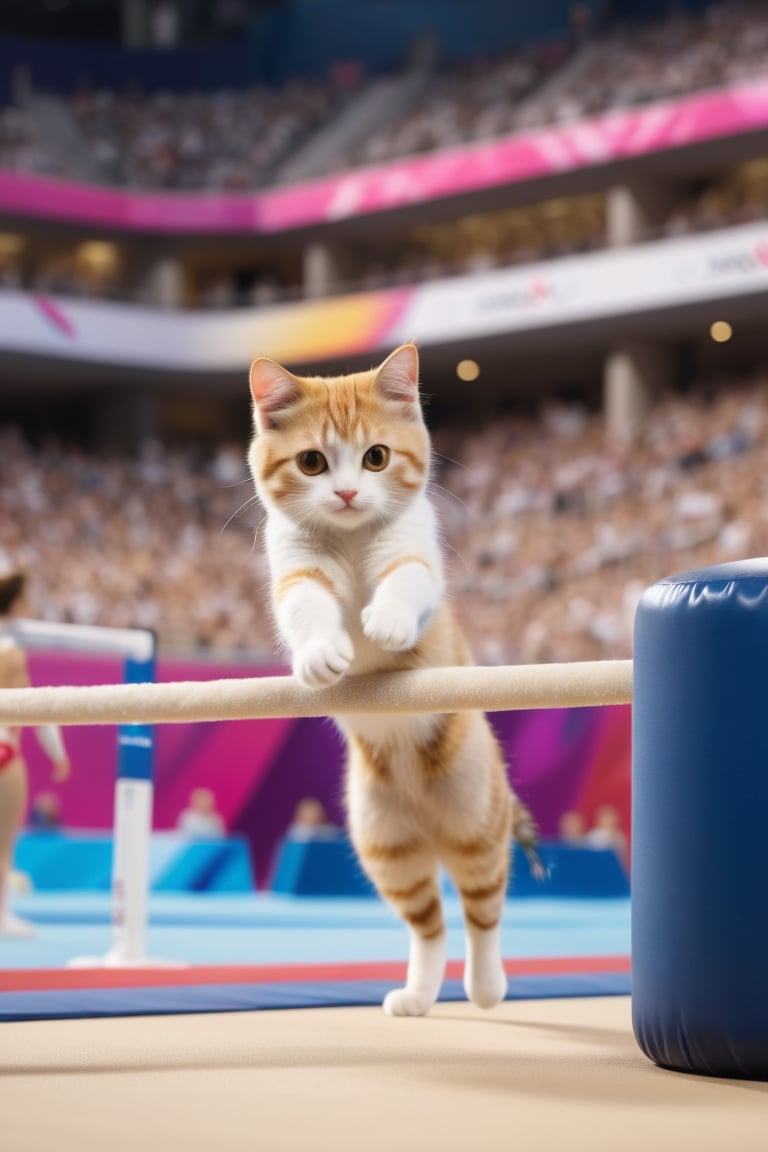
[[132, 840], [130, 872]]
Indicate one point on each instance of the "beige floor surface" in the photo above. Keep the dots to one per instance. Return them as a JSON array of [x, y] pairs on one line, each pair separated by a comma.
[[530, 1076]]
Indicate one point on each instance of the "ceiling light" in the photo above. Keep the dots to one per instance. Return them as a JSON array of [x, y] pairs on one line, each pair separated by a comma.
[[721, 331], [467, 370]]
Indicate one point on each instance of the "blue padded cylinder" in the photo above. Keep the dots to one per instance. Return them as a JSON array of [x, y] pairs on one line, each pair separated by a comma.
[[700, 821]]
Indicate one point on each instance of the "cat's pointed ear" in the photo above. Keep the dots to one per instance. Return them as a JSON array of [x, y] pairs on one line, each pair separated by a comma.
[[398, 376], [273, 388]]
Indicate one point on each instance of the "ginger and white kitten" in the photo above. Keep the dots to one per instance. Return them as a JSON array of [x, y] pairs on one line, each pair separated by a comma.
[[341, 465]]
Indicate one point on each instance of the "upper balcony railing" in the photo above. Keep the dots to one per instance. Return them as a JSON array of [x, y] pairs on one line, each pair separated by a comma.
[[616, 136]]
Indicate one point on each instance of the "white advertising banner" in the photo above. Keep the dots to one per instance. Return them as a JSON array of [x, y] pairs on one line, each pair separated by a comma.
[[588, 288], [585, 289]]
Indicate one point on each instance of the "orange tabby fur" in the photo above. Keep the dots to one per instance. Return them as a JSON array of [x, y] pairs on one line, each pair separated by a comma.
[[422, 790]]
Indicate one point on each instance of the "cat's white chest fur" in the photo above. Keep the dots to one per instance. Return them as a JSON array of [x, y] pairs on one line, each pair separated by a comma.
[[380, 585]]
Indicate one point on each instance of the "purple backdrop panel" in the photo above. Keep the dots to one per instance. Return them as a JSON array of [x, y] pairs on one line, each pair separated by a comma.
[[548, 754], [232, 758], [310, 763]]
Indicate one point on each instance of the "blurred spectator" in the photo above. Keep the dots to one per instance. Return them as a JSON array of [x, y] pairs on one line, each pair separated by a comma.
[[555, 533], [235, 140], [310, 822], [228, 140], [160, 541], [606, 832], [473, 101], [44, 813], [572, 828], [638, 63], [21, 148], [200, 820], [552, 532], [630, 64]]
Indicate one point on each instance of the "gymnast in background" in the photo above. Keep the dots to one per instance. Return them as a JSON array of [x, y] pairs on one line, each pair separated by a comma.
[[13, 770]]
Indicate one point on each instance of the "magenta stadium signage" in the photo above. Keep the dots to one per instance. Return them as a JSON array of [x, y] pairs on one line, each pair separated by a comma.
[[616, 135]]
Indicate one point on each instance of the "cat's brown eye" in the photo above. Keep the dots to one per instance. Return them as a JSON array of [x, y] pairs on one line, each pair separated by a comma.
[[376, 458], [312, 463]]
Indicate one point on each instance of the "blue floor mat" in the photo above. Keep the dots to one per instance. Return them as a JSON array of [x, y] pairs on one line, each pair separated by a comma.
[[263, 929]]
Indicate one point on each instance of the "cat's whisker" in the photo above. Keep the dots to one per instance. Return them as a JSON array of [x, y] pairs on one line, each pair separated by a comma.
[[450, 460], [243, 507], [447, 492], [256, 533], [446, 543], [235, 484]]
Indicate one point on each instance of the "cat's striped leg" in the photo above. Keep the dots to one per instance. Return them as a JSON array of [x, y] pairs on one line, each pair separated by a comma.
[[480, 869], [420, 906], [485, 980], [388, 838], [406, 875]]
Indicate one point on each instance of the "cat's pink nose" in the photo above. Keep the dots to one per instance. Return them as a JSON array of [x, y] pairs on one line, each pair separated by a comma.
[[347, 495]]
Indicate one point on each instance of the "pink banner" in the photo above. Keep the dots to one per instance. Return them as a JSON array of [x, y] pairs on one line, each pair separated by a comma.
[[613, 136]]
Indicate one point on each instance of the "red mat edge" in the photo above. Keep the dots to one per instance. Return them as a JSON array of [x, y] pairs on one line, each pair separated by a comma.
[[38, 979]]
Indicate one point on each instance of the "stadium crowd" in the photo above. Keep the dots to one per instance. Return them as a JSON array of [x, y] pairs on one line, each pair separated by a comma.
[[620, 68], [637, 64], [235, 140], [21, 149], [226, 141], [552, 533], [558, 533], [474, 101]]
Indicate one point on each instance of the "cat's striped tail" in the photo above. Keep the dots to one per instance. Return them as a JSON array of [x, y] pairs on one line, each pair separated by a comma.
[[526, 832]]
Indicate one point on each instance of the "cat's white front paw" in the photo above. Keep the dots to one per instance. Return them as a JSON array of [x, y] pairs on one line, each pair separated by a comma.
[[390, 625], [324, 660]]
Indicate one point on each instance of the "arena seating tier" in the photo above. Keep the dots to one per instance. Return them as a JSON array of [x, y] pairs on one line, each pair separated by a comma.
[[543, 519]]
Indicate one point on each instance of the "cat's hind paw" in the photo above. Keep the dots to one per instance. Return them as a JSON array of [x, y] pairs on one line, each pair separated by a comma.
[[485, 984], [403, 1002], [390, 626], [323, 661]]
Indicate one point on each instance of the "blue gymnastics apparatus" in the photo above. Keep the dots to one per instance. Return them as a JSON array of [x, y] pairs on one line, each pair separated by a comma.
[[699, 839]]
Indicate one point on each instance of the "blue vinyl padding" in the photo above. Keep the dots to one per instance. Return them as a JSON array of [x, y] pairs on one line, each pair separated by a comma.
[[572, 871], [699, 844], [65, 862], [329, 867], [59, 862], [207, 866], [166, 1001]]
